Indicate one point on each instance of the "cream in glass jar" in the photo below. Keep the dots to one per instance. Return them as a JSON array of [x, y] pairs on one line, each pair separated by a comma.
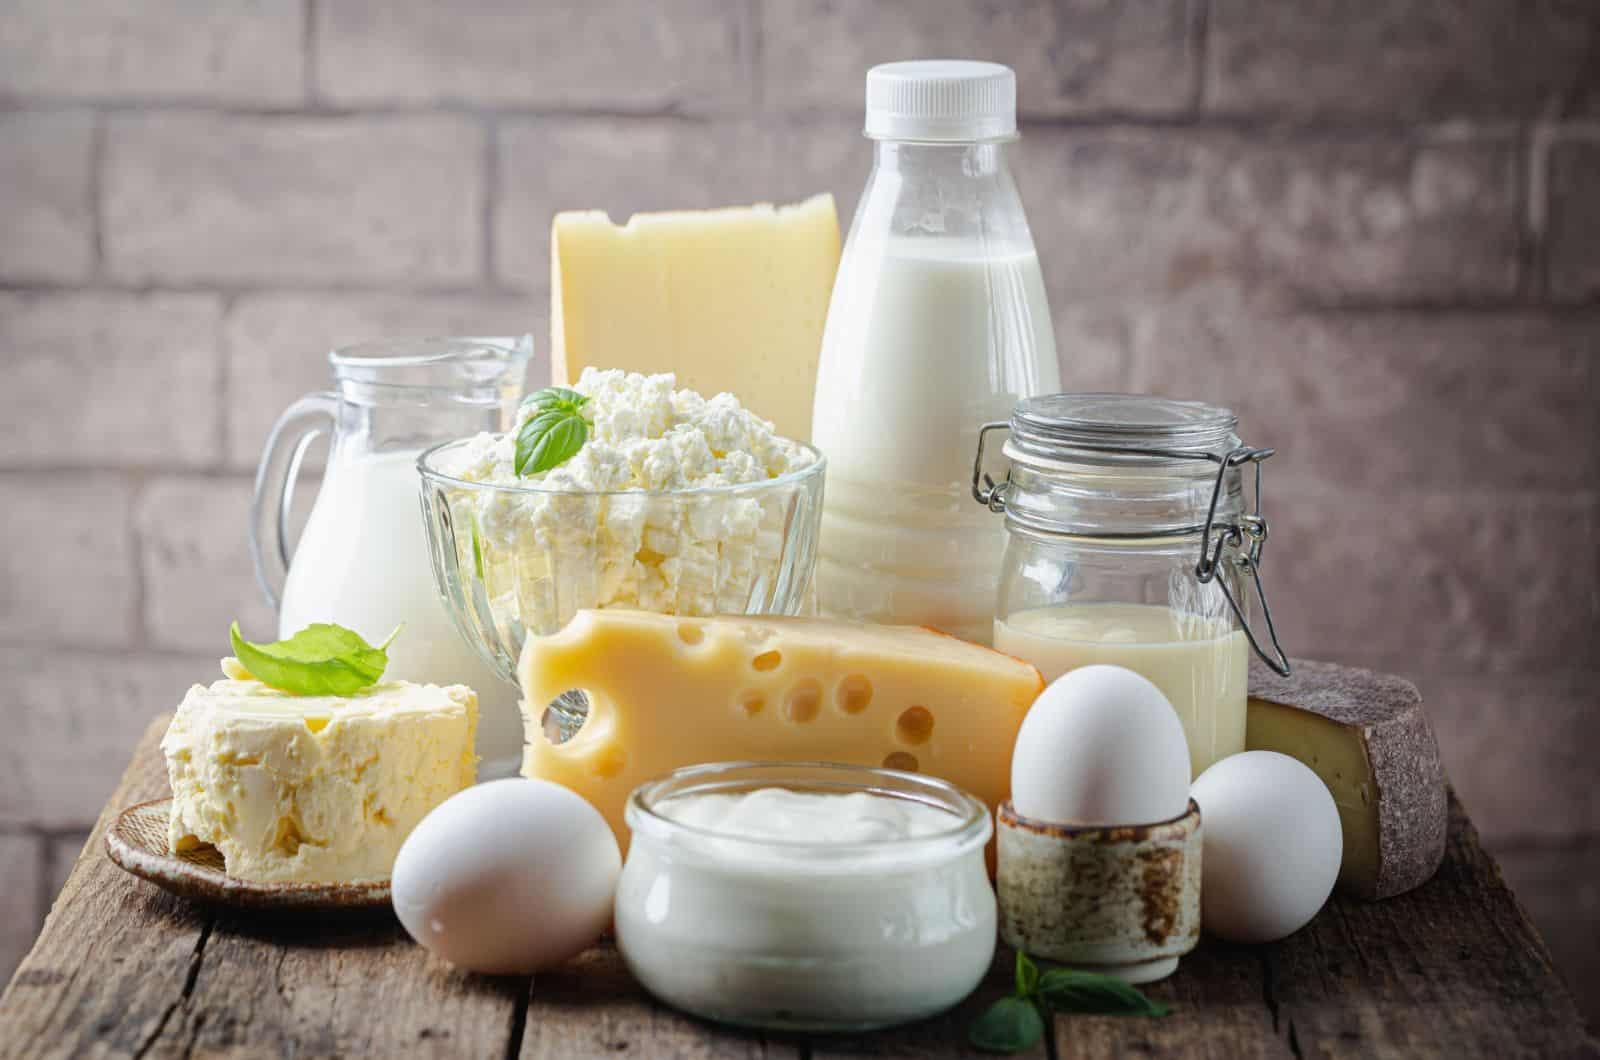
[[806, 896], [1130, 544]]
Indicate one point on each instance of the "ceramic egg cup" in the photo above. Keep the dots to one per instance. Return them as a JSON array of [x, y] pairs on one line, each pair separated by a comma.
[[1122, 900]]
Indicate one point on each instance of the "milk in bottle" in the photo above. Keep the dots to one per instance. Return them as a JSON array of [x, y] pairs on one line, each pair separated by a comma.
[[938, 324]]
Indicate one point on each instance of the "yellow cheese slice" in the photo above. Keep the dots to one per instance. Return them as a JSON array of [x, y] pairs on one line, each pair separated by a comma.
[[730, 300], [666, 692]]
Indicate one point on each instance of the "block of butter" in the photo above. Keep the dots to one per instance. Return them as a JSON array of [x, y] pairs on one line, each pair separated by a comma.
[[729, 300], [667, 692], [324, 789], [1366, 736]]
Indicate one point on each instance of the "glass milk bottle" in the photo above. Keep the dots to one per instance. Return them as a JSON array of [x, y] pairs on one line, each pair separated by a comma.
[[363, 559], [938, 323]]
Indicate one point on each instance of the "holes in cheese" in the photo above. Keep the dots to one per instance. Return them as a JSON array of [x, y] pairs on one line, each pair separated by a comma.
[[904, 761], [691, 633], [853, 694], [914, 725], [770, 689], [804, 700]]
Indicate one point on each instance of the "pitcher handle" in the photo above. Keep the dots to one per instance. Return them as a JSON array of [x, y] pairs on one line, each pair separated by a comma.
[[295, 430]]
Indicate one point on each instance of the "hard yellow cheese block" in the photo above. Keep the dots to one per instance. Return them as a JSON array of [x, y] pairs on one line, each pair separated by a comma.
[[666, 692], [730, 300]]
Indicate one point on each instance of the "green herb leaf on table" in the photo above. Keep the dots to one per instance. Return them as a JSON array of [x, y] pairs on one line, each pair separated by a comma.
[[1015, 1023], [1070, 990], [554, 433], [320, 660], [1010, 1025], [1027, 976]]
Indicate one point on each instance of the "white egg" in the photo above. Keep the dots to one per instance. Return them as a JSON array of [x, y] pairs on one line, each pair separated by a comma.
[[1272, 845], [508, 877], [1100, 746]]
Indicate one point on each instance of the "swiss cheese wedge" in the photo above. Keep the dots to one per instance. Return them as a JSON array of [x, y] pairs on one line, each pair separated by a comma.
[[730, 300], [666, 692]]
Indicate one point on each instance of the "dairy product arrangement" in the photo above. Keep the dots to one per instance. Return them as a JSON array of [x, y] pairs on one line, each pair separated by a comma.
[[818, 697]]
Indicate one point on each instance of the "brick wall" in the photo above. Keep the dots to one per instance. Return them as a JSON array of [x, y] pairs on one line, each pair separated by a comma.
[[1374, 229]]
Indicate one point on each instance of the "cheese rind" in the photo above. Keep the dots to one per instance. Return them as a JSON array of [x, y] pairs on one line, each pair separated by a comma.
[[666, 692], [1366, 735], [729, 300], [301, 789]]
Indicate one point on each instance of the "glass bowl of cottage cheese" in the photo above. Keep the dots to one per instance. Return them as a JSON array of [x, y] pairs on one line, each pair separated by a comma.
[[675, 503]]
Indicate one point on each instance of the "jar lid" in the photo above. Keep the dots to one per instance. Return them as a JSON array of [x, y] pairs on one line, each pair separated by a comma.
[[941, 101], [1124, 423]]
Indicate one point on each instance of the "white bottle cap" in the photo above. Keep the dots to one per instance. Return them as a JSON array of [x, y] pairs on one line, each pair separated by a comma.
[[941, 100]]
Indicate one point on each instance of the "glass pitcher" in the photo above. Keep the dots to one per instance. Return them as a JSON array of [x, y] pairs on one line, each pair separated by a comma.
[[362, 560]]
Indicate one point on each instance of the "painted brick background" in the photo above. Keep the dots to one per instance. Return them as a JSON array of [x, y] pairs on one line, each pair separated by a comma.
[[1373, 229]]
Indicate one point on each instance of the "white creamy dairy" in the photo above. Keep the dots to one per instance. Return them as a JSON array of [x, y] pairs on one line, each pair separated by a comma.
[[1200, 664], [784, 908], [927, 339], [634, 545], [314, 788], [797, 817]]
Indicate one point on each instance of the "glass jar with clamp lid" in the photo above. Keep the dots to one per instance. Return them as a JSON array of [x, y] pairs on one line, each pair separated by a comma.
[[1130, 542]]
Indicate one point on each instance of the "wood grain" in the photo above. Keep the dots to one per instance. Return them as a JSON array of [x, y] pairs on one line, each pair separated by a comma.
[[1219, 1009], [116, 957], [123, 969], [944, 1035], [1456, 960], [592, 1007]]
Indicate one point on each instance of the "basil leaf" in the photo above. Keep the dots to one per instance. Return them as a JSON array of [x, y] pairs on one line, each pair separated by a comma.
[[1007, 1026], [320, 660], [555, 432], [1069, 990], [1027, 976], [555, 396]]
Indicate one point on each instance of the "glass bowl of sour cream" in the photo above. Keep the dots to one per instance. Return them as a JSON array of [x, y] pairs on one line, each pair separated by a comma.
[[806, 896]]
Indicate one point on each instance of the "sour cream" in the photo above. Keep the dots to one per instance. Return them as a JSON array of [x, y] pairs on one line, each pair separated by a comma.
[[804, 896]]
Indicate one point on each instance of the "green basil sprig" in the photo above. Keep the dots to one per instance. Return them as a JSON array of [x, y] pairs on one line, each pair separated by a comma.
[[1015, 1023], [1070, 990], [320, 660], [554, 433], [1010, 1025]]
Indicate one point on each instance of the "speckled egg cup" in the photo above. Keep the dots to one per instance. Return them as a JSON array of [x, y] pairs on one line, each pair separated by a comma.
[[1124, 901]]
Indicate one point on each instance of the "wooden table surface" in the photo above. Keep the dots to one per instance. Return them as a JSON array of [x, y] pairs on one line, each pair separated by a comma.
[[123, 969]]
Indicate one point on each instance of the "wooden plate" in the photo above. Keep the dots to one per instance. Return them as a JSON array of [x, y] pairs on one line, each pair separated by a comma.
[[137, 843]]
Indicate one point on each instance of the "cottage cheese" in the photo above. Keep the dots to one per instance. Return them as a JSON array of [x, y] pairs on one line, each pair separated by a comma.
[[313, 788], [620, 524]]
